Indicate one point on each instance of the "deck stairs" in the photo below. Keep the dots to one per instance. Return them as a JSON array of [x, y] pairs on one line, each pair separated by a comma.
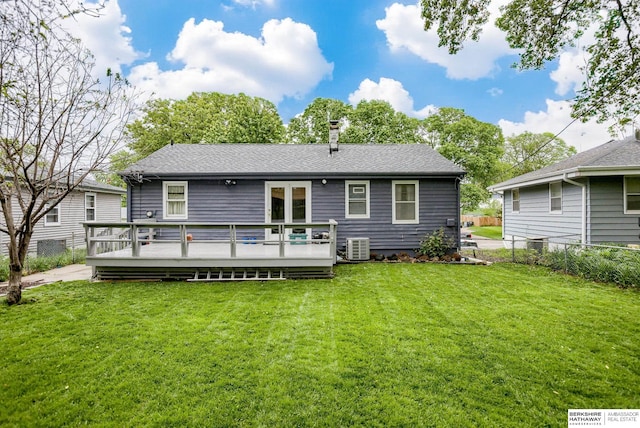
[[242, 274], [212, 273]]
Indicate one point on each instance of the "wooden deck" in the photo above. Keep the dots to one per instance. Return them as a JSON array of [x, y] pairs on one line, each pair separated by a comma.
[[225, 251]]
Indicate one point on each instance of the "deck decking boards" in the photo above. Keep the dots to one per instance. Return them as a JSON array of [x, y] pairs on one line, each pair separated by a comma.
[[229, 259], [160, 250]]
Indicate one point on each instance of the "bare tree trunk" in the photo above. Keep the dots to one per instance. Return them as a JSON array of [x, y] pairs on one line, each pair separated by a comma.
[[17, 254], [14, 288]]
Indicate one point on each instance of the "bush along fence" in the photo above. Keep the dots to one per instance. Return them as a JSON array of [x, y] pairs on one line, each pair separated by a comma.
[[602, 263]]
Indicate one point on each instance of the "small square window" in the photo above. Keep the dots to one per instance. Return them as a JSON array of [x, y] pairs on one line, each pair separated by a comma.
[[52, 218], [357, 199]]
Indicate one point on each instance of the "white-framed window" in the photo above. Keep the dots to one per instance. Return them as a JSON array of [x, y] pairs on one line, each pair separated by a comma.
[[52, 218], [632, 195], [356, 199], [175, 199], [405, 202], [515, 200], [555, 197], [90, 207]]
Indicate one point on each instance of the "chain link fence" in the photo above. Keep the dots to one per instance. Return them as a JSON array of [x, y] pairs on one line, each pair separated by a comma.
[[598, 262]]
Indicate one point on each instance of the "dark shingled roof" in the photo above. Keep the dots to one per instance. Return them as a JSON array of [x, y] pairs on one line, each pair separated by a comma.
[[89, 184], [620, 154], [294, 159]]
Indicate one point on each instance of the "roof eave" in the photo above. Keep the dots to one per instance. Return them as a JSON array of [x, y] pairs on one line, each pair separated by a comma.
[[578, 172], [99, 189], [257, 175]]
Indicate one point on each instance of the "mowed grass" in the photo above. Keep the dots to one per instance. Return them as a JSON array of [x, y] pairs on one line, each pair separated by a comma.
[[379, 345], [491, 232]]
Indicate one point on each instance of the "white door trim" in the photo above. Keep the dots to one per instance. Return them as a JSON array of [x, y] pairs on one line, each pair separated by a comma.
[[288, 204]]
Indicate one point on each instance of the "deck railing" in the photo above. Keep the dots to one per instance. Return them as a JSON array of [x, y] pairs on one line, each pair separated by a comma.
[[105, 237]]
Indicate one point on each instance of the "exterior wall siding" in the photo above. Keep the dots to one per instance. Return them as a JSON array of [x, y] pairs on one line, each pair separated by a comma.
[[213, 201], [72, 215], [608, 221], [438, 202], [534, 220]]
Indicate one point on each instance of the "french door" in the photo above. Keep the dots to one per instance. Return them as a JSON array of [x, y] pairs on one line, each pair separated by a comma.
[[287, 202]]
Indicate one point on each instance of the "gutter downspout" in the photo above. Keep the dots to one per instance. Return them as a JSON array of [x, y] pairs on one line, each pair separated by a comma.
[[584, 205]]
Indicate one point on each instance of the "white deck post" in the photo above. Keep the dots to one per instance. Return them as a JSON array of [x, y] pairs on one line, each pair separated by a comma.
[[333, 229], [184, 247], [135, 244], [281, 237], [89, 232], [232, 239]]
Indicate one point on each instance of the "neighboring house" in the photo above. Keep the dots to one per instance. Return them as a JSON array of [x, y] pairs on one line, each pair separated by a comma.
[[392, 194], [592, 197], [62, 226]]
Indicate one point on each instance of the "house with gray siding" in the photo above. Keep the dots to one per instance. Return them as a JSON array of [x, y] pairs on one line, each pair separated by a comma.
[[393, 195], [591, 197], [62, 226]]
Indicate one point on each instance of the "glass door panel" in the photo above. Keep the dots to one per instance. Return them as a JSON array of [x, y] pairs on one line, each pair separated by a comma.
[[288, 202], [299, 207], [277, 209]]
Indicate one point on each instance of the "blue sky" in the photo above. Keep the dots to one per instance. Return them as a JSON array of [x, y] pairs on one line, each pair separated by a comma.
[[293, 51]]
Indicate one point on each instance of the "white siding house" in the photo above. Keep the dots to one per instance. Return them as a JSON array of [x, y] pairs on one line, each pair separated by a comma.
[[591, 197], [92, 201]]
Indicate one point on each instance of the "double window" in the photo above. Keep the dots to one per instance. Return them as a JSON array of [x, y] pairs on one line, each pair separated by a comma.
[[405, 202], [175, 199], [632, 195], [357, 199], [555, 197]]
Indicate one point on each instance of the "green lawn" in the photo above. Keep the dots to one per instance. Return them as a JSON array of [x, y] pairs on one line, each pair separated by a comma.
[[379, 345], [491, 232]]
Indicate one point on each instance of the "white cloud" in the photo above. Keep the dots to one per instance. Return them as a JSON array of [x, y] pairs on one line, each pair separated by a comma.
[[495, 92], [582, 136], [393, 92], [568, 76], [284, 62], [404, 29], [105, 36], [254, 3]]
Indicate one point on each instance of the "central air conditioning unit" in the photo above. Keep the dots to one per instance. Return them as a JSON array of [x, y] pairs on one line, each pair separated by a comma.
[[358, 248]]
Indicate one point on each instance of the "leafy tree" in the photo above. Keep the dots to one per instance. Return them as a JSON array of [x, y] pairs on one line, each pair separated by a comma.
[[370, 122], [311, 127], [208, 117], [252, 120], [57, 123], [471, 196], [476, 146], [528, 152], [205, 117], [376, 122], [543, 29]]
